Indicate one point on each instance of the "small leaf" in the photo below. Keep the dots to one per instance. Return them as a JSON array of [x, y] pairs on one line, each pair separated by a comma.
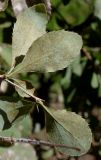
[[76, 67], [69, 129], [22, 84], [51, 52], [94, 81], [98, 9], [3, 4], [11, 111], [30, 25]]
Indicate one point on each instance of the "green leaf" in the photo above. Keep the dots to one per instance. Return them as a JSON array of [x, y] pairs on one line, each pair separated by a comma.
[[21, 129], [69, 129], [98, 9], [13, 131], [76, 67], [52, 24], [94, 81], [3, 4], [19, 151], [6, 53], [65, 82], [76, 11], [25, 126], [99, 90], [51, 52], [1, 122], [11, 111], [30, 25]]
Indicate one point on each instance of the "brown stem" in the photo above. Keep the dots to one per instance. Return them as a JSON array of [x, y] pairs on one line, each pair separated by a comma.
[[87, 54], [48, 7], [12, 140]]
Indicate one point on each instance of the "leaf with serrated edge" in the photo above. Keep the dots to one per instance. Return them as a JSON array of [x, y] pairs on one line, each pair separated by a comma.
[[64, 127], [51, 52], [11, 111], [29, 26]]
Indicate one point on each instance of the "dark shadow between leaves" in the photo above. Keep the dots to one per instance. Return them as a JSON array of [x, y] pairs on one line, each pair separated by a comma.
[[5, 118], [19, 59]]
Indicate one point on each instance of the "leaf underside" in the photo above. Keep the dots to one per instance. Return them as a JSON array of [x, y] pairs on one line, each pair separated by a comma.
[[30, 25], [11, 111], [70, 129], [51, 52]]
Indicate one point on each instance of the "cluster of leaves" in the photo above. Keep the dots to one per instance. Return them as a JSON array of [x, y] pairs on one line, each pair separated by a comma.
[[34, 50], [81, 82]]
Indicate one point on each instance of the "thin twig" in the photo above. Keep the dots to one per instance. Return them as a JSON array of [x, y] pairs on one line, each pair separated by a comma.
[[13, 140], [48, 7], [18, 6], [87, 54]]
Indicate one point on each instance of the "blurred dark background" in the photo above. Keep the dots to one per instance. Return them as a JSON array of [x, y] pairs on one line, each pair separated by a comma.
[[78, 87]]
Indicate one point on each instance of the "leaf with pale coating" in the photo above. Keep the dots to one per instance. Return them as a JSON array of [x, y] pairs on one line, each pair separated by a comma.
[[69, 129], [18, 152], [51, 52], [30, 25], [11, 111]]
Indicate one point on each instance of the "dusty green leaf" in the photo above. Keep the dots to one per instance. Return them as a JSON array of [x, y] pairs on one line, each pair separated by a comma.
[[25, 126], [98, 9], [23, 84], [70, 129], [11, 111], [18, 152], [6, 53], [1, 122], [3, 4], [51, 52], [30, 25], [13, 131]]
